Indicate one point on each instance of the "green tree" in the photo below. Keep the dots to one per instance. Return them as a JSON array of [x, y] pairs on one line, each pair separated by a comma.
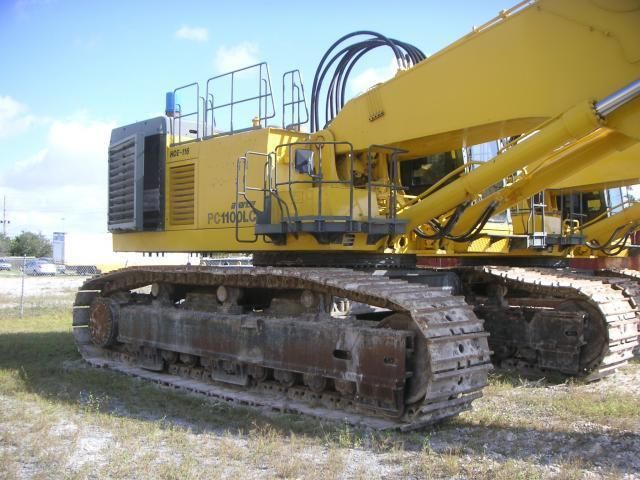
[[5, 244], [31, 245]]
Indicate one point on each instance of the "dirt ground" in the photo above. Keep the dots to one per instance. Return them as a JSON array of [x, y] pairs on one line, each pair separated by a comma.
[[35, 291], [62, 419], [36, 286]]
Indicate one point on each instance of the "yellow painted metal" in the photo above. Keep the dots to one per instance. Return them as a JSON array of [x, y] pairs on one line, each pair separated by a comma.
[[574, 124], [488, 245], [537, 69], [607, 228], [501, 80], [600, 148], [617, 169], [200, 210]]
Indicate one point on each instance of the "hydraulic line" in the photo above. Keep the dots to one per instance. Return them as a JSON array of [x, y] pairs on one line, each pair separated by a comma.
[[440, 230], [406, 56], [622, 224], [469, 235], [612, 246]]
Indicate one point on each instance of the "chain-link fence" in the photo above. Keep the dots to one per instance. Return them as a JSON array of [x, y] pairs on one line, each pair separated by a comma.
[[28, 283]]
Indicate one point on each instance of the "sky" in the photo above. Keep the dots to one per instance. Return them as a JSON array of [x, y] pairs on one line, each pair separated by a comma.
[[73, 70]]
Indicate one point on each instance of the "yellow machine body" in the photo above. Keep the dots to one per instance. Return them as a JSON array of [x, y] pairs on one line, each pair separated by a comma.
[[200, 206], [533, 72]]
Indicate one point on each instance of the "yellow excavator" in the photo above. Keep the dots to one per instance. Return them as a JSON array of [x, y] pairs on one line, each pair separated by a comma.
[[385, 246]]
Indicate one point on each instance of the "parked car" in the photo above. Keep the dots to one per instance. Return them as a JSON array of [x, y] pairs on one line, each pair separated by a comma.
[[4, 265], [39, 267], [60, 267]]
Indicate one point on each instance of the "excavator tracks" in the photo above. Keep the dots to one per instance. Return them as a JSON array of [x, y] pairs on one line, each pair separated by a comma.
[[628, 280], [205, 330], [558, 321]]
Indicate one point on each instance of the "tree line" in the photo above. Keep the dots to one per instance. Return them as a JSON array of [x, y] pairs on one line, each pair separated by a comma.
[[27, 244]]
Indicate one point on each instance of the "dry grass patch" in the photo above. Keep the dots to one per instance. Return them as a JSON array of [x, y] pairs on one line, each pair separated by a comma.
[[333, 466]]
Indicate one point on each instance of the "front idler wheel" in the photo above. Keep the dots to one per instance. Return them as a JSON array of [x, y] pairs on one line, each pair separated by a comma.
[[103, 321]]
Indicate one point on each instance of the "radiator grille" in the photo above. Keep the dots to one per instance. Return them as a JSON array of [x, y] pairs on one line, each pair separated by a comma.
[[122, 184], [182, 195]]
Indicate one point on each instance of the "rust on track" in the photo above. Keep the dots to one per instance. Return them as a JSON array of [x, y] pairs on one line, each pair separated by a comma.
[[451, 354]]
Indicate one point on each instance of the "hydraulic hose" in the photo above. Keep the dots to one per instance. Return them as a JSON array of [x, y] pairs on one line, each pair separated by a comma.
[[345, 59]]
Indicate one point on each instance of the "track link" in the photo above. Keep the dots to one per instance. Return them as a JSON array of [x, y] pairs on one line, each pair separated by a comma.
[[628, 281], [608, 297], [455, 367]]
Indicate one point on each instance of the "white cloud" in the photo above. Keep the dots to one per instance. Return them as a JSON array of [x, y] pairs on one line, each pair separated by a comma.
[[80, 136], [372, 76], [79, 208], [197, 34], [14, 117], [62, 187], [235, 57], [33, 160]]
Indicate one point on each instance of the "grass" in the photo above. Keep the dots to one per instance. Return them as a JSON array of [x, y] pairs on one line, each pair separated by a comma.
[[606, 408], [515, 402], [62, 419]]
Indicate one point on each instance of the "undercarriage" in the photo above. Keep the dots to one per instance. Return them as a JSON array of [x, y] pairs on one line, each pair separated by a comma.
[[367, 347], [555, 321], [277, 337]]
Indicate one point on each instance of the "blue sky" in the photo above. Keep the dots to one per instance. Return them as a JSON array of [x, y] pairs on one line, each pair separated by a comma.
[[72, 70]]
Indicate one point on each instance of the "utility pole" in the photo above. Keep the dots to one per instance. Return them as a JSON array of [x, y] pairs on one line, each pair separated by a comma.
[[4, 215]]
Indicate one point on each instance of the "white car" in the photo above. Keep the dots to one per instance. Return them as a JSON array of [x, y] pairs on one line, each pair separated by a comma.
[[4, 265], [39, 267]]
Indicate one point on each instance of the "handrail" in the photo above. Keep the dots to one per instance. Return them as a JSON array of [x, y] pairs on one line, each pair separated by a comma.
[[243, 160], [317, 179], [183, 115], [297, 99], [503, 15], [264, 94]]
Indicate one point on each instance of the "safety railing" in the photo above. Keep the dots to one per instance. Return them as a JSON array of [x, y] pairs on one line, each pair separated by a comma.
[[242, 191], [231, 99], [537, 217], [177, 115], [293, 101], [261, 105], [316, 175], [306, 162]]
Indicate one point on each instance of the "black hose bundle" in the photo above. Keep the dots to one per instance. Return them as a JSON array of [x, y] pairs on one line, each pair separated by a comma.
[[406, 56], [444, 231], [612, 246]]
